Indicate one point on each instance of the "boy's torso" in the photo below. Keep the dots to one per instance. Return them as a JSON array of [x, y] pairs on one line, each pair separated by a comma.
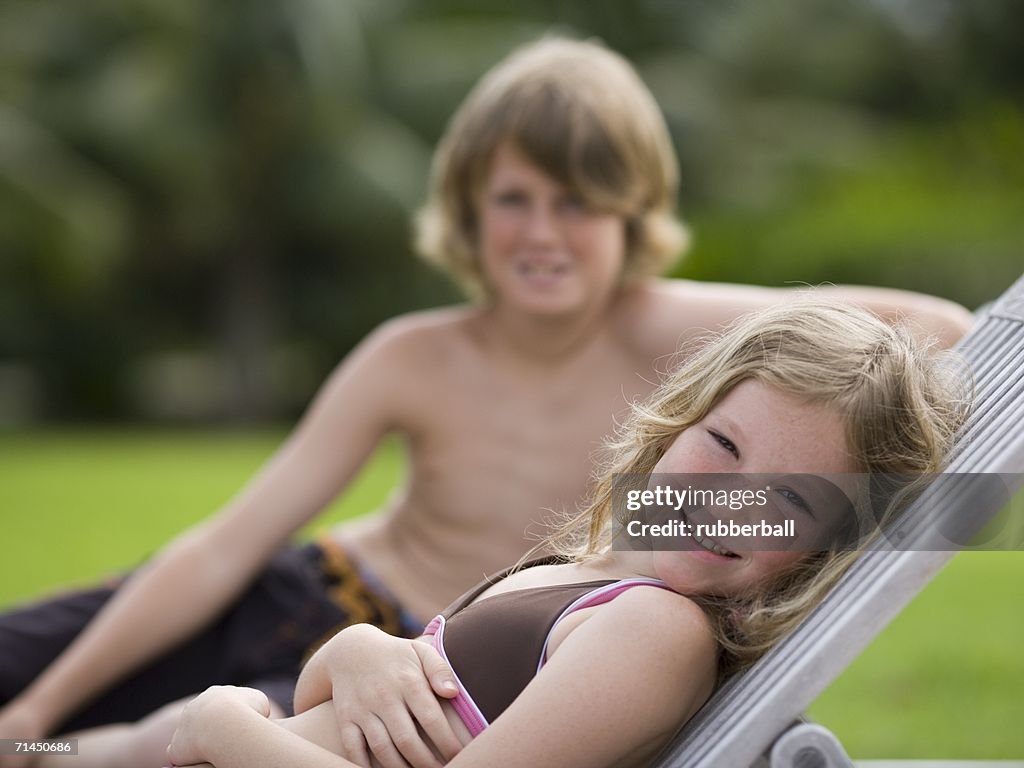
[[495, 447]]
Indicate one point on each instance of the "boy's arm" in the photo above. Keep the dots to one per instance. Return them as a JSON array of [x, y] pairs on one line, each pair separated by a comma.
[[713, 305], [197, 575], [941, 319], [614, 691]]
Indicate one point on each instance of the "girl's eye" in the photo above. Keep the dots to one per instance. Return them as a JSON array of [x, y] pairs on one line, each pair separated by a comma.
[[725, 443], [794, 498]]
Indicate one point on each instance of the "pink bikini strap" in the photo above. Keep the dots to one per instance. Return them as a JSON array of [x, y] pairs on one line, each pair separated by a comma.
[[463, 703]]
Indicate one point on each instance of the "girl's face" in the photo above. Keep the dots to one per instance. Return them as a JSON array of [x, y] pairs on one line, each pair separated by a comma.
[[788, 443], [542, 250]]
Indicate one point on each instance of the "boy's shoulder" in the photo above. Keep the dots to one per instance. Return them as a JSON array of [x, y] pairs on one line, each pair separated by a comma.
[[423, 333], [407, 362], [425, 323]]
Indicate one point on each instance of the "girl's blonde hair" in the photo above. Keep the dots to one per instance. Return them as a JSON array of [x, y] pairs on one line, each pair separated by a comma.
[[901, 405], [581, 114]]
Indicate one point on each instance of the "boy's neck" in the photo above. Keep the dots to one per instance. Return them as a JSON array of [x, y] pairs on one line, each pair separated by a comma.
[[544, 340]]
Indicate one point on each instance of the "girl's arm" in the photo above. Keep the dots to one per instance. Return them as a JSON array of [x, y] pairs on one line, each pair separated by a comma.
[[227, 726], [200, 572], [613, 693], [382, 692]]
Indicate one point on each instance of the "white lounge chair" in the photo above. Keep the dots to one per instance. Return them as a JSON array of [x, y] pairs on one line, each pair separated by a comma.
[[753, 720]]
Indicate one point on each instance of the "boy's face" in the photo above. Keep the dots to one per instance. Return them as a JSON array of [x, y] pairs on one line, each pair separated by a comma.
[[542, 250]]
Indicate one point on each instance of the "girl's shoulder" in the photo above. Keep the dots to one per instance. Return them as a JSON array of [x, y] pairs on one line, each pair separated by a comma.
[[658, 618], [656, 648], [657, 609]]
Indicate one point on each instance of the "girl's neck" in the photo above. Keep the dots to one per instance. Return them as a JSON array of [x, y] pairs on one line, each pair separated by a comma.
[[614, 564]]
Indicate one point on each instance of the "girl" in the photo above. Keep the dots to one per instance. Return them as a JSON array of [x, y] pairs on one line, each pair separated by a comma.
[[631, 642]]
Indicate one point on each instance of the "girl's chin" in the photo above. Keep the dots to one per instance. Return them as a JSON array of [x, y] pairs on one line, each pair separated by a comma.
[[710, 557]]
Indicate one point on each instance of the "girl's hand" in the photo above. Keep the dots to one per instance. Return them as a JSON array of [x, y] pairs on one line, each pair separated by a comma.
[[383, 689], [20, 721], [207, 718]]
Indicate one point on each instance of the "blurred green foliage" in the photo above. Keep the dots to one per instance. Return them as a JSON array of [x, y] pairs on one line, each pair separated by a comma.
[[204, 205]]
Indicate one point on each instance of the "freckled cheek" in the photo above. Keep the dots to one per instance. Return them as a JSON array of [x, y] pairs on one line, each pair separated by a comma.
[[710, 466], [686, 462], [772, 564]]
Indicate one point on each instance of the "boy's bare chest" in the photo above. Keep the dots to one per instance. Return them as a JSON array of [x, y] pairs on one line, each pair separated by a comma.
[[536, 408], [520, 442]]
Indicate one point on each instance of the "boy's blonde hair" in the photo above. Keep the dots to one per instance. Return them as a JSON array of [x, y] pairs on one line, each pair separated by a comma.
[[581, 114], [901, 406]]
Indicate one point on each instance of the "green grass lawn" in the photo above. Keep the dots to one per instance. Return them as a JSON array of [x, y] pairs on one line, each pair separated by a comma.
[[946, 679]]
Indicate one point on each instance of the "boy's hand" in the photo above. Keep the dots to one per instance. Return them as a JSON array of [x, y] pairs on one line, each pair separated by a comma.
[[19, 721], [205, 718], [385, 691]]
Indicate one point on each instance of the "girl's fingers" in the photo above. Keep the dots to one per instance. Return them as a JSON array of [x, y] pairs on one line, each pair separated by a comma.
[[379, 740], [408, 739], [353, 745], [427, 712], [440, 675]]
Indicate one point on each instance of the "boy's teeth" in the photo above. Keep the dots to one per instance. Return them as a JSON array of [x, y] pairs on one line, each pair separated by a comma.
[[548, 269]]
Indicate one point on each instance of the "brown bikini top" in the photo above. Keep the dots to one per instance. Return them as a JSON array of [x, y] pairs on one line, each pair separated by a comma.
[[496, 645]]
